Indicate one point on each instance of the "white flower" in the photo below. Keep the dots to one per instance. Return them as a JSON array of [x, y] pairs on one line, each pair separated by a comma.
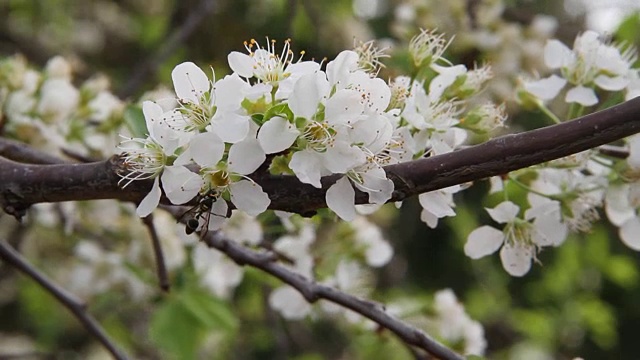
[[289, 303], [437, 204], [148, 159], [58, 99], [297, 248], [378, 252], [519, 239], [219, 177], [277, 70], [453, 323], [427, 48], [591, 62], [208, 105], [217, 271]]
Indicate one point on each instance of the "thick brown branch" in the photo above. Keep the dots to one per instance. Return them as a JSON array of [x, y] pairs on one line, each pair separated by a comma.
[[23, 185]]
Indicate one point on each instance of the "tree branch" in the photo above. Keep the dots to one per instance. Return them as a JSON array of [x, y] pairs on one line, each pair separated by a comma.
[[70, 301], [312, 292], [161, 268], [26, 184]]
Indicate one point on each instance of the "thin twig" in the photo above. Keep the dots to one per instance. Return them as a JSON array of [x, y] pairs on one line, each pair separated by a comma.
[[161, 268], [70, 301], [312, 291], [176, 39], [21, 152]]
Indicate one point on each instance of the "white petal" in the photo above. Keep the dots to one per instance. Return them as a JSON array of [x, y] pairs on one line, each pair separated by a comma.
[[342, 157], [152, 113], [617, 205], [180, 184], [246, 156], [189, 81], [437, 203], [241, 63], [376, 184], [307, 94], [547, 88], [341, 199], [343, 107], [630, 233], [616, 83], [229, 92], [206, 149], [582, 95], [503, 213], [339, 69], [289, 303], [277, 135], [447, 77], [557, 54], [549, 230], [230, 127], [516, 259], [483, 241], [378, 253], [307, 165], [249, 197], [428, 218], [218, 215], [151, 201]]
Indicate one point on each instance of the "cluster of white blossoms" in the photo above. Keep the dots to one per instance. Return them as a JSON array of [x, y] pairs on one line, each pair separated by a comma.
[[592, 64], [287, 116], [49, 112], [565, 196]]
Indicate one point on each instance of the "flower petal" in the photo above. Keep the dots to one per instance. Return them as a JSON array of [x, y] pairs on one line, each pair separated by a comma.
[[229, 126], [307, 94], [341, 199], [206, 149], [503, 213], [246, 156], [557, 54], [190, 82], [547, 88], [516, 259], [307, 164], [615, 83], [180, 184], [218, 215], [151, 201], [241, 63], [277, 135], [249, 197], [629, 233], [582, 95], [483, 241]]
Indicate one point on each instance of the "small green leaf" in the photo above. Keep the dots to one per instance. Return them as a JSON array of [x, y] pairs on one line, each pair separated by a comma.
[[176, 330], [279, 110], [134, 118], [210, 311]]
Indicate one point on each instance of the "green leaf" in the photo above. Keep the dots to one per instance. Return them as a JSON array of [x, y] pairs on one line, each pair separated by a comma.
[[278, 110], [176, 330], [134, 118], [210, 311]]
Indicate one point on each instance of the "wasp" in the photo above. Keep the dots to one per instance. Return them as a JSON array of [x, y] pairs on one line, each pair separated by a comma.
[[200, 214]]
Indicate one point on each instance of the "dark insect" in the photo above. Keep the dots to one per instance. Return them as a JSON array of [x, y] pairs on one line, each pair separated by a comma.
[[200, 211]]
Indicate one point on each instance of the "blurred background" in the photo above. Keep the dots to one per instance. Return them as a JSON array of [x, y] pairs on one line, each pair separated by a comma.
[[582, 300]]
